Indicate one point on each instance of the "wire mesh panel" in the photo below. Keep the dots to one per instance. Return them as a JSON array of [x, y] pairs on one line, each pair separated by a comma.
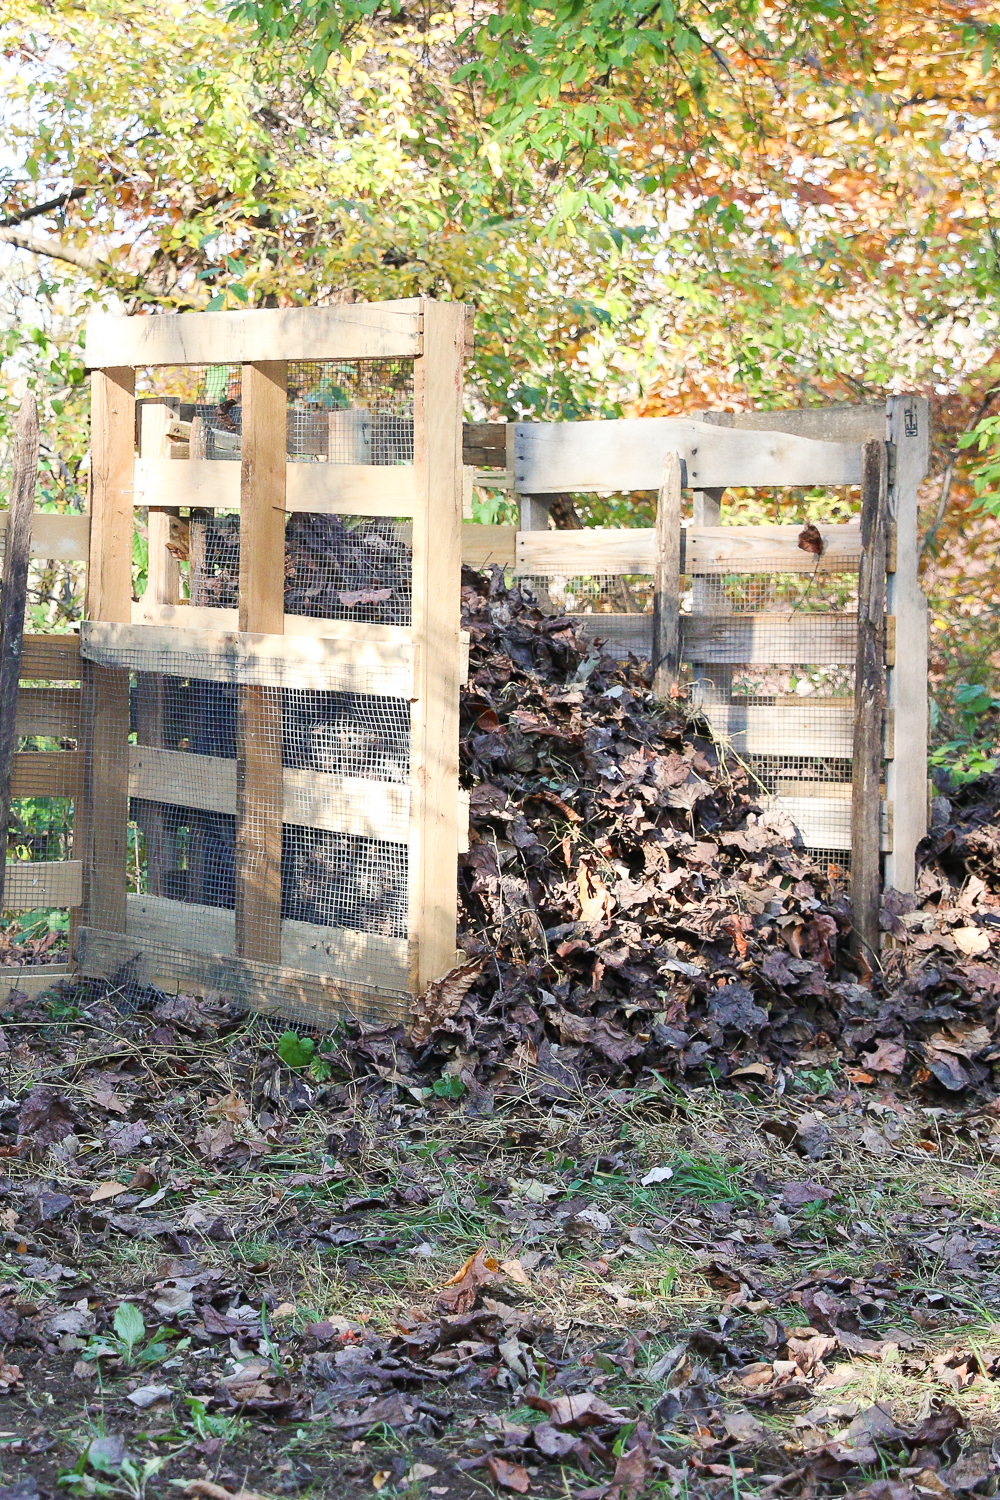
[[336, 567], [339, 412], [337, 796]]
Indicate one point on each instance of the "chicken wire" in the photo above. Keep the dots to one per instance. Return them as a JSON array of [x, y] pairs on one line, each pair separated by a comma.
[[339, 411], [336, 567], [270, 817]]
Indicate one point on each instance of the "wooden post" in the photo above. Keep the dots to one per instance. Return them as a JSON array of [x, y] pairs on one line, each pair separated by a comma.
[[906, 772], [163, 576], [869, 706], [667, 581], [712, 684], [109, 597], [261, 609], [437, 566], [12, 602]]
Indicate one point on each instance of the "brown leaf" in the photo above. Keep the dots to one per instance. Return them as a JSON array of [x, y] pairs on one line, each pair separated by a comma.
[[123, 1140], [107, 1190], [583, 1410], [811, 540], [596, 901], [441, 1000], [509, 1476], [461, 1290], [888, 1057], [214, 1141], [44, 1120], [629, 1478]]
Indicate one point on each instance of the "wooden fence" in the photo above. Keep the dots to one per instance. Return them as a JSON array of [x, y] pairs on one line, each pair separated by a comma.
[[240, 829]]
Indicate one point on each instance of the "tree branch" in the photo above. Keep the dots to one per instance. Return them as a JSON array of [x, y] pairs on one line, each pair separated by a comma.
[[45, 208], [89, 260]]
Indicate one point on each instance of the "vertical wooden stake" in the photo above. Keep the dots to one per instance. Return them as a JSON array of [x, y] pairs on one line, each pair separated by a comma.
[[667, 582], [109, 597], [437, 569], [709, 684], [906, 772], [13, 600], [869, 706], [262, 609], [163, 575]]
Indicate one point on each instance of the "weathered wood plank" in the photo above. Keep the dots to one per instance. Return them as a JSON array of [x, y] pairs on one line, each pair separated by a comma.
[[437, 563], [317, 999], [31, 884], [666, 660], [484, 444], [13, 599], [57, 536], [53, 657], [827, 424], [906, 780], [760, 730], [869, 699], [258, 714], [704, 550], [313, 799], [628, 455], [337, 489], [348, 331], [770, 638], [104, 818], [360, 957], [358, 659], [49, 711], [32, 980], [482, 545], [825, 822], [49, 773]]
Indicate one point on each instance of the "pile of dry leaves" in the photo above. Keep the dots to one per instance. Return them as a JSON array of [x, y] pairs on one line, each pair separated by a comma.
[[629, 903]]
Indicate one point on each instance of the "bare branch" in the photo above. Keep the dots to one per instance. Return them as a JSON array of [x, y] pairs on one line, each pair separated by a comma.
[[96, 265]]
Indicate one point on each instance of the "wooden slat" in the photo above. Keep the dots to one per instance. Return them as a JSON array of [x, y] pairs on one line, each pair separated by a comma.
[[484, 444], [49, 773], [313, 799], [49, 711], [628, 455], [60, 536], [32, 980], [666, 659], [56, 657], [482, 545], [203, 617], [338, 489], [361, 658], [109, 598], [316, 999], [825, 822], [869, 698], [258, 713], [347, 331], [770, 638], [758, 730], [360, 957], [31, 884], [827, 424], [906, 780], [704, 550], [437, 561]]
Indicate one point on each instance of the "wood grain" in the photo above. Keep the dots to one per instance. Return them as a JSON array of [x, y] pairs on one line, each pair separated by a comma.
[[348, 331], [31, 884], [57, 535], [870, 704], [704, 550], [628, 455], [437, 562], [666, 659], [329, 489]]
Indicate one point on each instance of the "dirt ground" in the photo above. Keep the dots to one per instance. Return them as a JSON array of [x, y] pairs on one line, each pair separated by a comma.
[[227, 1274]]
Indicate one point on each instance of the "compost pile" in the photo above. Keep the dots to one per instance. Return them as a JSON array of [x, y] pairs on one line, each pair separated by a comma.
[[629, 904]]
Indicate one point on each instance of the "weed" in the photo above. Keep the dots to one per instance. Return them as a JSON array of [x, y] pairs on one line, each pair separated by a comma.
[[129, 1330]]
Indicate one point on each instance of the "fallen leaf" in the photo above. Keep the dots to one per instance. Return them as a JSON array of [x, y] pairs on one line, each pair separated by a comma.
[[972, 941], [509, 1476], [460, 1291], [146, 1395], [743, 1427], [440, 1001], [123, 1140], [888, 1057], [629, 1478], [107, 1190], [657, 1174], [514, 1271]]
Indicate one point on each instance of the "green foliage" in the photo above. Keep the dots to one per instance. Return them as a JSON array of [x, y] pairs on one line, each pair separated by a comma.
[[707, 1177], [295, 1051], [985, 440], [125, 1342], [970, 753], [450, 1086]]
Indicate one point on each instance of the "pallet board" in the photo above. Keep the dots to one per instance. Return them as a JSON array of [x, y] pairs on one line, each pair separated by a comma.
[[628, 455], [704, 549], [31, 884], [323, 488], [59, 536]]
